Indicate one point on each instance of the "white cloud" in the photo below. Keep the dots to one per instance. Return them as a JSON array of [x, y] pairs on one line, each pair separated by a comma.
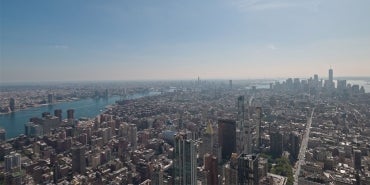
[[259, 5], [271, 46], [59, 46]]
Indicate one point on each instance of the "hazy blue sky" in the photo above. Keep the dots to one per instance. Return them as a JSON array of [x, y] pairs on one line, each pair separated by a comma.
[[123, 40]]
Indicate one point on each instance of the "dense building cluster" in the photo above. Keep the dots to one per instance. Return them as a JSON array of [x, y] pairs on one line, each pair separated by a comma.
[[296, 131]]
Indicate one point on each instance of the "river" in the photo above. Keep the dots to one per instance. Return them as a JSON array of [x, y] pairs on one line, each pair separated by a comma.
[[14, 122]]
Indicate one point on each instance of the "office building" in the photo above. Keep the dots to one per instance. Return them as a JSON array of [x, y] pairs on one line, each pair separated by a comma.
[[33, 130], [13, 178], [106, 94], [58, 113], [248, 169], [48, 123], [276, 144], [241, 110], [357, 159], [329, 84], [12, 162], [316, 84], [316, 77], [341, 84], [78, 158], [259, 127], [227, 137], [230, 170], [185, 162], [2, 134], [45, 114], [12, 104], [294, 144], [51, 99], [296, 83], [289, 84], [211, 169], [244, 128], [208, 140], [156, 174], [70, 113], [56, 172], [132, 135]]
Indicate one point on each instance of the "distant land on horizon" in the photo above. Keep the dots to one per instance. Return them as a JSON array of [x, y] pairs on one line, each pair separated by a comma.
[[68, 82]]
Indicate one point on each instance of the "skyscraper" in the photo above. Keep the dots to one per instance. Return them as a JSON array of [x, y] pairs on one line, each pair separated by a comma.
[[210, 166], [226, 137], [248, 169], [51, 98], [276, 144], [241, 136], [185, 161], [329, 84], [241, 109], [208, 140], [132, 134], [316, 78], [294, 144], [78, 158], [58, 113], [33, 130], [12, 104], [231, 170], [106, 93], [156, 174], [341, 84], [259, 127], [330, 75], [70, 114], [12, 162], [56, 172], [357, 159], [2, 134]]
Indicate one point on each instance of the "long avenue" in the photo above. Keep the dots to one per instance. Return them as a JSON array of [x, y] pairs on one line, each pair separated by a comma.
[[302, 150]]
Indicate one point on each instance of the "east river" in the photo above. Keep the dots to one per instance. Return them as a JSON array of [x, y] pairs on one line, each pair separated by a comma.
[[14, 122]]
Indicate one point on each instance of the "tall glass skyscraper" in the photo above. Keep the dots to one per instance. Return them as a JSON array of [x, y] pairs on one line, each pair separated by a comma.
[[185, 160]]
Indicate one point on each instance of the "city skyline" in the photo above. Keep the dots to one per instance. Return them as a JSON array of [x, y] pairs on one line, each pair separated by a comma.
[[241, 39]]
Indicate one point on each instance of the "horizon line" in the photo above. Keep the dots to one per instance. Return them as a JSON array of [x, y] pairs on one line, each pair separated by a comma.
[[168, 80]]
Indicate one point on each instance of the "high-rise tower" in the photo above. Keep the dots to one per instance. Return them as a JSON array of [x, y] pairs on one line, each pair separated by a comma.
[[132, 135], [330, 75], [240, 127], [329, 84], [241, 109], [208, 140], [51, 98], [58, 113], [211, 169], [12, 162], [357, 159], [259, 127], [185, 161], [248, 169], [227, 137], [70, 114], [12, 104], [78, 158]]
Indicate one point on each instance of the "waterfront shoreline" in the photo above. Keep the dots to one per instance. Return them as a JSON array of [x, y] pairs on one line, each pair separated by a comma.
[[85, 107], [40, 105]]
